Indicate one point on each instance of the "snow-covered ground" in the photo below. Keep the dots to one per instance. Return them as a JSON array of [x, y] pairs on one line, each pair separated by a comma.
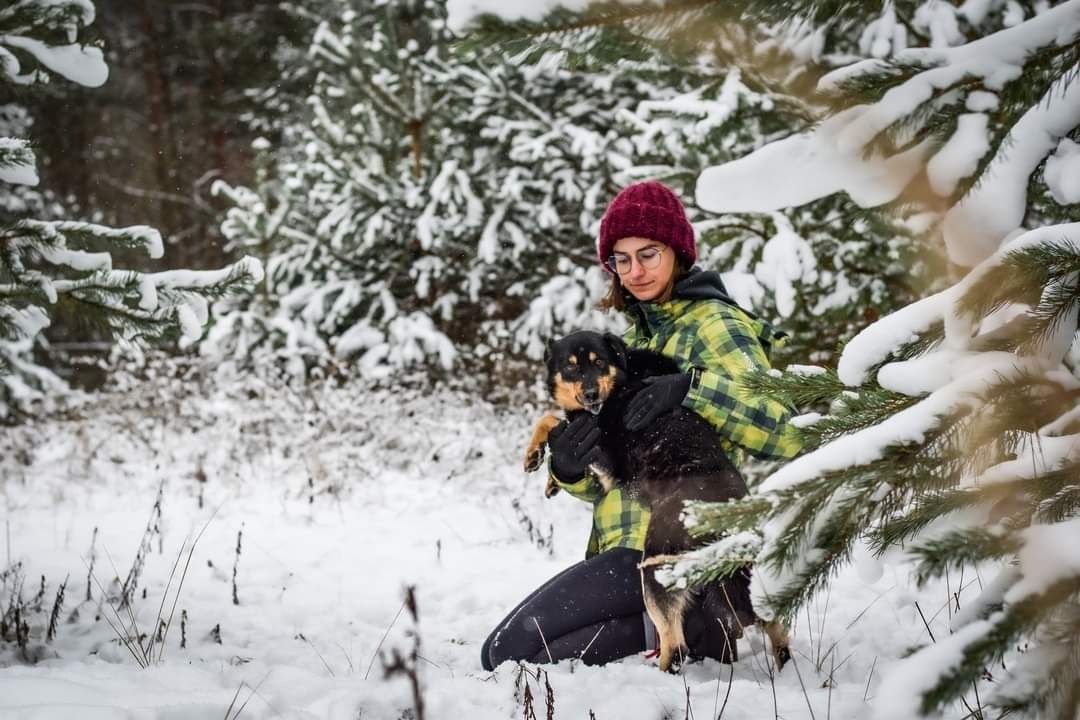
[[342, 499]]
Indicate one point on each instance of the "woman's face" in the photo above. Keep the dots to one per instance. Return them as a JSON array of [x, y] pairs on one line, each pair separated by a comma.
[[644, 283]]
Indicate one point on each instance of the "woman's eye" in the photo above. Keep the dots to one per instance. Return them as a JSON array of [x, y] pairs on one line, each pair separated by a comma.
[[648, 253]]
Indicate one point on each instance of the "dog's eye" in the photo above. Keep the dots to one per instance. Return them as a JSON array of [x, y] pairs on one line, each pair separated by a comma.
[[599, 363]]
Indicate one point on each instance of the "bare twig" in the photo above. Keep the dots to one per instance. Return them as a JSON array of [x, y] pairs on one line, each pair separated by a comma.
[[383, 639], [805, 695], [312, 645], [543, 639], [869, 678]]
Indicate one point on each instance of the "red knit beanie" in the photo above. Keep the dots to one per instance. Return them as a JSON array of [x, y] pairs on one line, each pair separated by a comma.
[[648, 210]]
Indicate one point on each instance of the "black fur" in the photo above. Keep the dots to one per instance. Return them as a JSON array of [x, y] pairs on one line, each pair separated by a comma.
[[676, 458]]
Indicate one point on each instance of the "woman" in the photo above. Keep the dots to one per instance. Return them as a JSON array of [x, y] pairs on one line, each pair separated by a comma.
[[594, 610]]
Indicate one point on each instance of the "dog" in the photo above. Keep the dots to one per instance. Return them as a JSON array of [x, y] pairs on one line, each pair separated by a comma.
[[675, 459]]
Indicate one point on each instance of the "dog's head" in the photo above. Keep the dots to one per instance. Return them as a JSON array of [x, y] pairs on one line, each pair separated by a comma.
[[584, 368]]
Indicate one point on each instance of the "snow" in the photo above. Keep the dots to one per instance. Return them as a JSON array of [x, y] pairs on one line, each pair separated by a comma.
[[938, 20], [805, 370], [805, 167], [883, 37], [912, 677], [787, 261], [959, 157], [1050, 555], [1063, 172], [977, 226], [877, 341], [84, 65], [344, 497], [461, 12], [961, 329], [245, 266], [742, 546], [1033, 461], [27, 321], [921, 375], [904, 427], [20, 168]]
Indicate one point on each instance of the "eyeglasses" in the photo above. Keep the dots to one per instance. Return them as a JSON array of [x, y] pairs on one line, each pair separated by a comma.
[[647, 257]]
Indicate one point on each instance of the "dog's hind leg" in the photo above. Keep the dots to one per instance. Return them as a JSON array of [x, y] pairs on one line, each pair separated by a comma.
[[534, 453], [666, 610], [778, 640]]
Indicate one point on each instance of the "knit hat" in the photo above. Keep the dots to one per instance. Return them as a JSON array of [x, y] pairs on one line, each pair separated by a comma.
[[648, 210]]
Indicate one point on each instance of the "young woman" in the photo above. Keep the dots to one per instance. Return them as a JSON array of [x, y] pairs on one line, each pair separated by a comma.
[[594, 610]]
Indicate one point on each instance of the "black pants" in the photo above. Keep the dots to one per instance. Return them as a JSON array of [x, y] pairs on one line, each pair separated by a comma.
[[593, 610]]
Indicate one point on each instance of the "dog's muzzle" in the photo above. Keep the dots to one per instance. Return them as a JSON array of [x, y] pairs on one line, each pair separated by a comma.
[[592, 401]]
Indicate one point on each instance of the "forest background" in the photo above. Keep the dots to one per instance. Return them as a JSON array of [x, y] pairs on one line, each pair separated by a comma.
[[404, 216]]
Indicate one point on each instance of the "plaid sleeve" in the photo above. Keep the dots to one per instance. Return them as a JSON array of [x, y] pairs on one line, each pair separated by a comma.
[[619, 520], [724, 349], [588, 488]]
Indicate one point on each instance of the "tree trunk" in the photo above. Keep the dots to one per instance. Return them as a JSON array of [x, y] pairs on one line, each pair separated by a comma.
[[155, 78]]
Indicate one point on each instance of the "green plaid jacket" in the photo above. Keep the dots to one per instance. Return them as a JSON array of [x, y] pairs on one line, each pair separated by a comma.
[[715, 343]]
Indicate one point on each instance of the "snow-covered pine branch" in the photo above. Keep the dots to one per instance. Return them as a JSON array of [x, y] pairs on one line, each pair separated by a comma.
[[973, 121], [48, 263], [975, 463]]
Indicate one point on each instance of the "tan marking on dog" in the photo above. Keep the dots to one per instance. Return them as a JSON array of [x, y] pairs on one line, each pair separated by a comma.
[[592, 357], [669, 626], [606, 479], [659, 560], [606, 383], [567, 394], [778, 640], [551, 487], [534, 453], [573, 360]]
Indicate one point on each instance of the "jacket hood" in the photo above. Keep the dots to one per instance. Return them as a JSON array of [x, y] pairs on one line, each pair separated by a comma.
[[700, 284]]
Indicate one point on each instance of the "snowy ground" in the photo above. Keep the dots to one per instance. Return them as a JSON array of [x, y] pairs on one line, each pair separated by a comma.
[[344, 499]]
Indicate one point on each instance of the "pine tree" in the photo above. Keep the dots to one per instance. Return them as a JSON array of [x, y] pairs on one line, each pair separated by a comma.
[[48, 266], [487, 223], [950, 427], [821, 270], [531, 144]]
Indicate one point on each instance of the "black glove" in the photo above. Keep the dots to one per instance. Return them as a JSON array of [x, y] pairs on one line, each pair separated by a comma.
[[574, 446], [660, 395]]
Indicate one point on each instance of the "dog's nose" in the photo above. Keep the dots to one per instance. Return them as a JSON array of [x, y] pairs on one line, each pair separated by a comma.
[[591, 394]]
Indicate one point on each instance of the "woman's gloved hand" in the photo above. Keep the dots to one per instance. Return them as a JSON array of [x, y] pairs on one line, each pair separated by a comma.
[[574, 446], [660, 395]]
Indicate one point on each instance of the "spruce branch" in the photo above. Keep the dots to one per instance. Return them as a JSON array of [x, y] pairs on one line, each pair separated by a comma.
[[967, 546], [984, 648]]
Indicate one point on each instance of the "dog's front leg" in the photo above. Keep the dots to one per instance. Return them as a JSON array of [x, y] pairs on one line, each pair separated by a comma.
[[534, 453]]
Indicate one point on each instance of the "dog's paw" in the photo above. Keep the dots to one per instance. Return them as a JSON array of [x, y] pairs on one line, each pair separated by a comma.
[[673, 660], [781, 655], [551, 489], [534, 458]]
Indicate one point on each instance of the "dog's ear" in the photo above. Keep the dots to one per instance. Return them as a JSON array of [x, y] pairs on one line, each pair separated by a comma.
[[618, 348], [547, 351]]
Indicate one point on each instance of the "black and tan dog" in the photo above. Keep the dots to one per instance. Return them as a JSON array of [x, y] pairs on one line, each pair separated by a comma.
[[675, 459]]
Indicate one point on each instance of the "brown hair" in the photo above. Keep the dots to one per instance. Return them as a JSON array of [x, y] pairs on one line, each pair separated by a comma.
[[618, 298]]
